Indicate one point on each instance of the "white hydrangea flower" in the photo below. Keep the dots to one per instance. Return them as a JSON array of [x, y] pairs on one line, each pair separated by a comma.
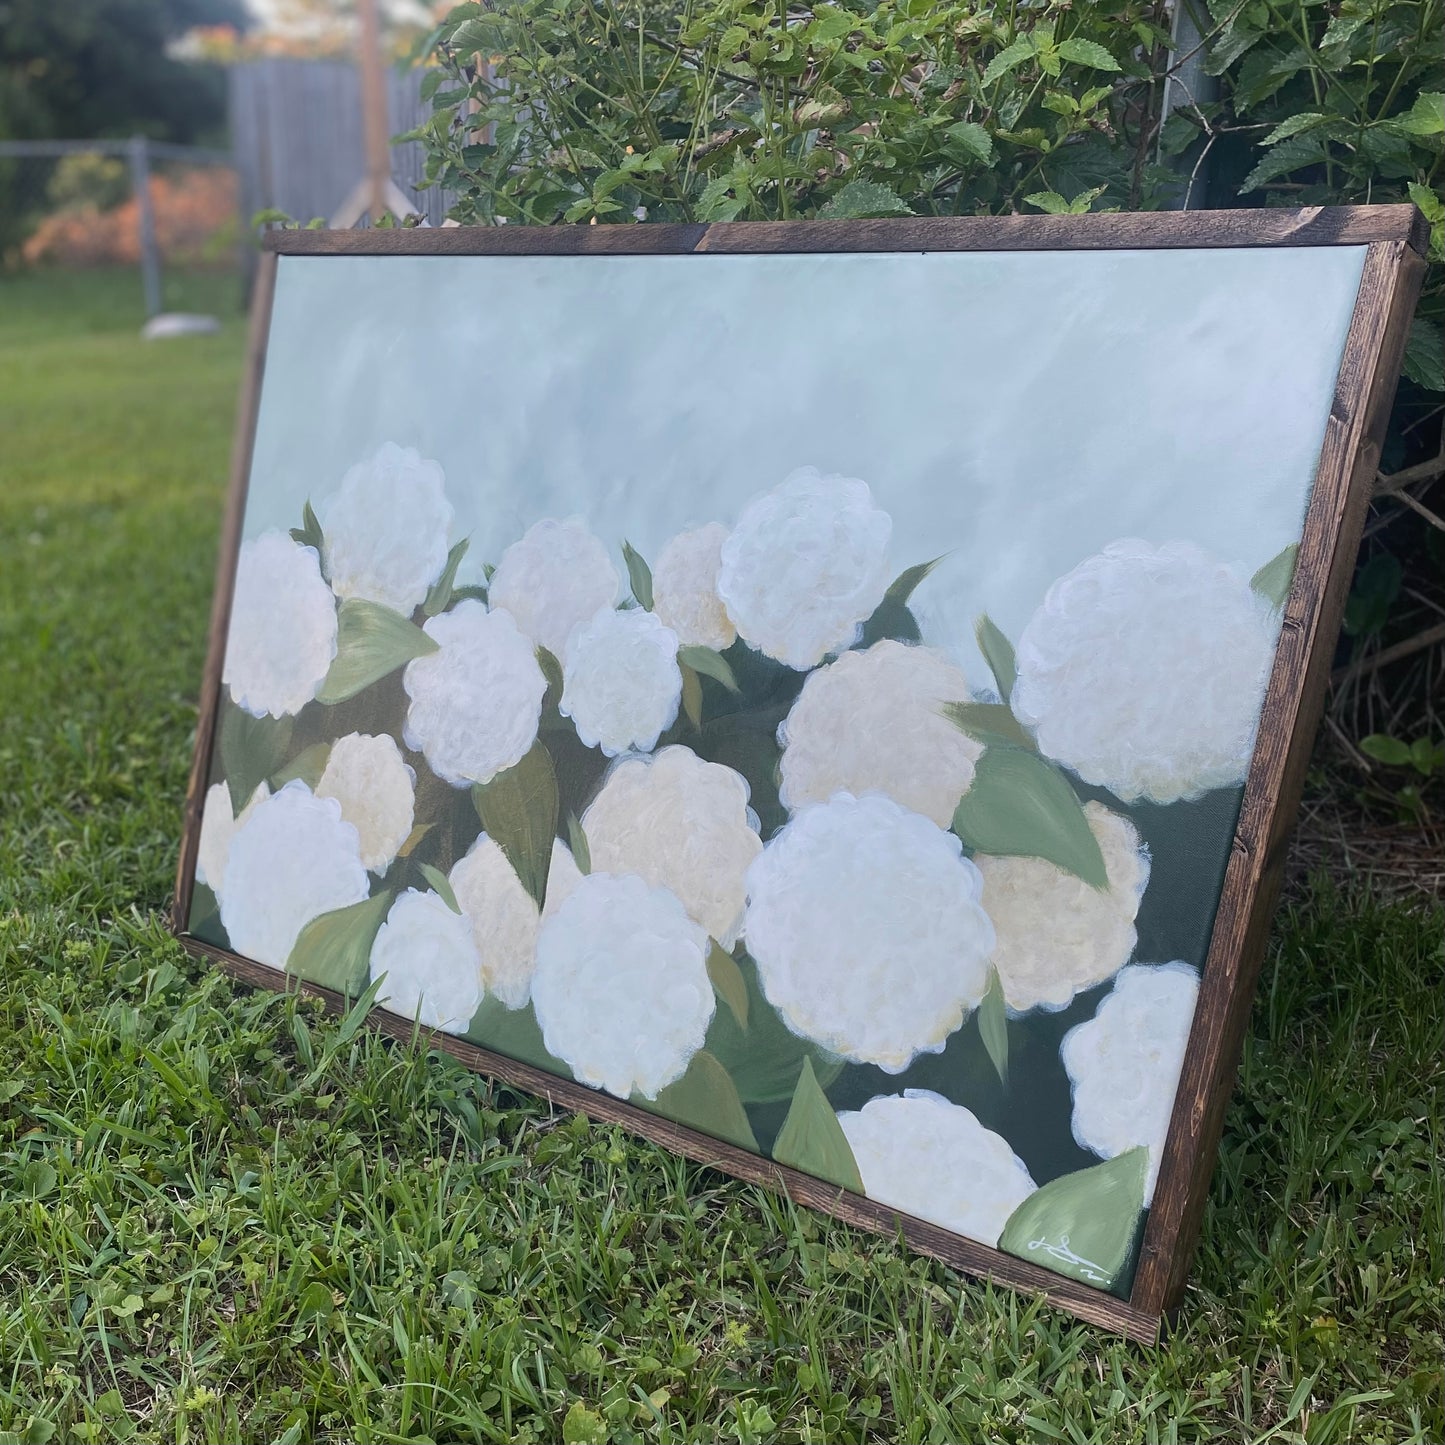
[[292, 860], [805, 566], [428, 964], [282, 637], [684, 588], [919, 1153], [621, 684], [873, 722], [503, 916], [1058, 935], [1124, 1062], [1144, 671], [377, 793], [621, 989], [477, 700], [384, 530], [218, 827], [865, 923], [553, 579], [679, 823]]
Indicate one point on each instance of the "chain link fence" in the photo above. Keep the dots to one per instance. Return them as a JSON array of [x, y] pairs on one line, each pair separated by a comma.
[[163, 210]]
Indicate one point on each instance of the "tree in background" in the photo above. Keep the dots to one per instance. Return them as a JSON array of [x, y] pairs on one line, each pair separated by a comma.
[[94, 68]]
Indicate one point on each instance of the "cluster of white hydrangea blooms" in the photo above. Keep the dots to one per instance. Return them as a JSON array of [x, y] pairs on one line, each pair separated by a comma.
[[873, 721], [282, 635], [805, 566], [294, 858], [865, 923], [928, 1157], [218, 827], [427, 963], [377, 792], [554, 578], [385, 529], [504, 916], [1144, 671], [679, 823], [476, 701], [621, 987], [684, 588], [621, 682], [1058, 935], [1124, 1062]]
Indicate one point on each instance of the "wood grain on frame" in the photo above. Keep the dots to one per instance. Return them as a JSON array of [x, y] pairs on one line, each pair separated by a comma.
[[1395, 238]]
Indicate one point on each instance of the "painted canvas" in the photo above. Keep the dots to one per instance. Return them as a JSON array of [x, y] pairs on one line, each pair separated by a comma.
[[805, 696]]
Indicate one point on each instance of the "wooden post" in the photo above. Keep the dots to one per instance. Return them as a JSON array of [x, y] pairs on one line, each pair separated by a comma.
[[373, 107], [150, 260]]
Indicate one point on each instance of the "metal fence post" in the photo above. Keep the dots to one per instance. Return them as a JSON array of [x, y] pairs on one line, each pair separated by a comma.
[[150, 260]]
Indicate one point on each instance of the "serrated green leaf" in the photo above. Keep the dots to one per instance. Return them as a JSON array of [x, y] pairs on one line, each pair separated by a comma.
[[989, 723], [860, 199], [639, 575], [1284, 159], [439, 596], [1426, 116], [441, 886], [372, 641], [1083, 1225], [973, 138], [518, 811], [335, 949], [577, 842], [709, 663], [1087, 52], [705, 1098], [1295, 125], [1010, 58], [1050, 202], [1020, 805], [728, 981], [993, 1026], [308, 765], [1432, 207], [1425, 355], [1272, 581], [813, 1140], [252, 748], [998, 652]]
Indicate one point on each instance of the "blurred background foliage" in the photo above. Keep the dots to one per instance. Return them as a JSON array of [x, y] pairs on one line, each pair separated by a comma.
[[620, 111]]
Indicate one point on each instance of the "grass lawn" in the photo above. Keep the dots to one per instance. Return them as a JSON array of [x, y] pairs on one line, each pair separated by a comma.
[[224, 1216]]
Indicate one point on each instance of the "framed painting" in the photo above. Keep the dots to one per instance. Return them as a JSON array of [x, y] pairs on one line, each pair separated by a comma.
[[829, 696]]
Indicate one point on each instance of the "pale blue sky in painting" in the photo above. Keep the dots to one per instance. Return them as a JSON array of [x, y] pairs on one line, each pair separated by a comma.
[[1016, 411]]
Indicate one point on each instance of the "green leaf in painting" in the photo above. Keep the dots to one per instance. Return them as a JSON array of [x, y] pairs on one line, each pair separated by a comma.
[[706, 1099], [335, 949], [518, 810], [439, 597], [371, 642], [709, 663], [552, 671], [413, 838], [1272, 581], [813, 1140], [308, 534], [903, 585], [993, 1027], [998, 652], [639, 575], [893, 620], [1022, 806], [577, 842], [252, 748], [728, 981], [513, 1032], [989, 722], [691, 696], [308, 765], [441, 886], [1083, 1225]]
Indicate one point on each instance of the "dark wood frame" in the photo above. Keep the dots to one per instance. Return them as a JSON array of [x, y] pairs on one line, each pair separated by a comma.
[[1395, 239]]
